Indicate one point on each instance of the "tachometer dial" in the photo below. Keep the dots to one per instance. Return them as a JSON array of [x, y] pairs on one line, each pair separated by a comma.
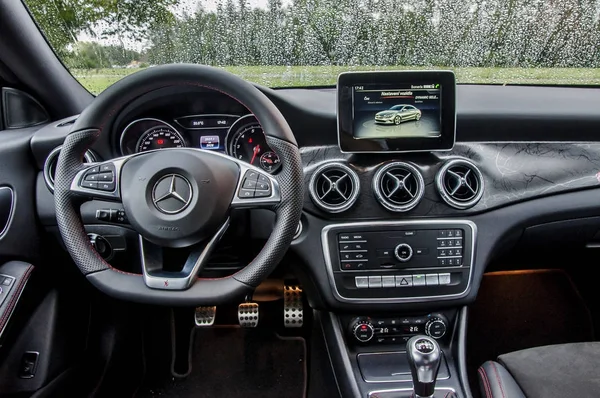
[[246, 141], [160, 137]]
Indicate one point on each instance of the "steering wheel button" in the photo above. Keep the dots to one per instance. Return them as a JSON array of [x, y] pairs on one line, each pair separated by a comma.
[[262, 194], [107, 167], [246, 193], [263, 186], [263, 178], [89, 184], [250, 184], [251, 175], [105, 177], [91, 177], [93, 170], [106, 186]]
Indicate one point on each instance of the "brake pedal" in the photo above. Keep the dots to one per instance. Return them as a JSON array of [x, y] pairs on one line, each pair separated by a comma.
[[293, 310], [205, 316], [248, 315]]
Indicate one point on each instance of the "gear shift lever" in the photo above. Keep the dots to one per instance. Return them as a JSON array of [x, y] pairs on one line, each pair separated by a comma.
[[424, 357]]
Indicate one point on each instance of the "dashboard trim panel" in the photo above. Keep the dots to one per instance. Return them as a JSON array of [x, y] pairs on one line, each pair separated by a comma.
[[415, 299]]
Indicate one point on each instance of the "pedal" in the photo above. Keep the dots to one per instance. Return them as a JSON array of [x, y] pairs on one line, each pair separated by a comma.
[[248, 315], [293, 310], [205, 316]]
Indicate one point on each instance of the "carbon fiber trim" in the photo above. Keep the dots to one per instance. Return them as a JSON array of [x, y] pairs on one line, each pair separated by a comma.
[[70, 162], [291, 183]]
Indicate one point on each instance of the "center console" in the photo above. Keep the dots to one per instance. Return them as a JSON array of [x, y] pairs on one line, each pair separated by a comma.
[[381, 272], [399, 261]]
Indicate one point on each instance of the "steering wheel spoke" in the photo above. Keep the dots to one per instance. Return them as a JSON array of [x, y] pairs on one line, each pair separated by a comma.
[[156, 277], [99, 180], [255, 189]]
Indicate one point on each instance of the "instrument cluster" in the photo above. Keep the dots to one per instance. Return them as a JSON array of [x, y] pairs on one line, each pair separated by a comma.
[[239, 136]]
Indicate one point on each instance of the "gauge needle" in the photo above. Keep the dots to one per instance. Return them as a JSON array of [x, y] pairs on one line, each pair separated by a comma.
[[256, 150]]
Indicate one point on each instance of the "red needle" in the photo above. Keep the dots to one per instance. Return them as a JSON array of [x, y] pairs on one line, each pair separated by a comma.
[[256, 150]]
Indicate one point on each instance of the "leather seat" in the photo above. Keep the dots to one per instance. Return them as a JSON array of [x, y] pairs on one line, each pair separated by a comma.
[[561, 371]]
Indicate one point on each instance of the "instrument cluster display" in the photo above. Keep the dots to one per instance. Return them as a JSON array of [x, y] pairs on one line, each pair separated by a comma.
[[238, 136]]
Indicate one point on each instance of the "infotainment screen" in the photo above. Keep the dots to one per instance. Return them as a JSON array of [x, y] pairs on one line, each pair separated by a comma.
[[396, 111]]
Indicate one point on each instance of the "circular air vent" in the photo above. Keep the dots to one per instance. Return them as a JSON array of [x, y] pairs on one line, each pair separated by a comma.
[[460, 183], [398, 186], [334, 187], [50, 165]]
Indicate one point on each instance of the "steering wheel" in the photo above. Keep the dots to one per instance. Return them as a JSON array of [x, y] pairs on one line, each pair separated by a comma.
[[177, 197]]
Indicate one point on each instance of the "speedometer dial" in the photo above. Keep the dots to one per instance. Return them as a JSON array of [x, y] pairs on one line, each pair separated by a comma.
[[160, 137], [247, 142]]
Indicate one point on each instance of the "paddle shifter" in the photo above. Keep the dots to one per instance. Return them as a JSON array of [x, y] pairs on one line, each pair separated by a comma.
[[424, 357]]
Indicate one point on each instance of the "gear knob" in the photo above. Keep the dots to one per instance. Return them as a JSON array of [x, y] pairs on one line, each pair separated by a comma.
[[424, 357]]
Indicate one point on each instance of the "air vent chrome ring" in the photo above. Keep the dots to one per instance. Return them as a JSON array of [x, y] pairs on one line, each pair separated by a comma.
[[398, 178], [50, 165], [324, 183], [468, 185]]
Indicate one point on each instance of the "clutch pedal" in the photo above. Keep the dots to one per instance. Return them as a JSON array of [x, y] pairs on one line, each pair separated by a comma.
[[248, 315], [205, 316], [293, 311]]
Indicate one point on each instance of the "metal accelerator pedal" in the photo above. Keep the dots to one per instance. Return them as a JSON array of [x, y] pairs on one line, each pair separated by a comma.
[[293, 311], [205, 316], [248, 315]]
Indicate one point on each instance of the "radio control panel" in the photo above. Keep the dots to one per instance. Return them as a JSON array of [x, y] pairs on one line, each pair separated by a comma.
[[399, 261]]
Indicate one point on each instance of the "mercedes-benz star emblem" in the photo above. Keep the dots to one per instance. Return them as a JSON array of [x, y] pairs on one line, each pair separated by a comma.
[[172, 193]]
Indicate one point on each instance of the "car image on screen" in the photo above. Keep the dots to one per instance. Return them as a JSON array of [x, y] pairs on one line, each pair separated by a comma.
[[398, 114]]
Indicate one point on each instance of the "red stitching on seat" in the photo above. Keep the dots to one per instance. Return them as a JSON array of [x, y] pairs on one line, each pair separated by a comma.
[[498, 379], [486, 383]]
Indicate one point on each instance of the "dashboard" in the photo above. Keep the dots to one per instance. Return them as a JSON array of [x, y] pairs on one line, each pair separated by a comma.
[[520, 182]]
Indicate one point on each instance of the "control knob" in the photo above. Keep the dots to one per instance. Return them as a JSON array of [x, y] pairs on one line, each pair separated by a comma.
[[403, 252], [102, 246], [362, 330], [436, 327]]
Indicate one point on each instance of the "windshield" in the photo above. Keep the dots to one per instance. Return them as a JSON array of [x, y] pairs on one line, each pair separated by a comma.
[[283, 43]]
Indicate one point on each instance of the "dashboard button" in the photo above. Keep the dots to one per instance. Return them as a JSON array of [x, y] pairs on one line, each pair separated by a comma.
[[404, 280], [358, 256], [432, 280], [344, 237], [444, 279], [443, 262], [458, 233], [421, 251], [246, 193], [89, 184], [106, 186], [362, 282], [388, 281], [384, 253], [374, 281], [418, 280]]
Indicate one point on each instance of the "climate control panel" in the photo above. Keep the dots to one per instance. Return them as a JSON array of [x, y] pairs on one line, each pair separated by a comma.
[[399, 261], [396, 330]]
